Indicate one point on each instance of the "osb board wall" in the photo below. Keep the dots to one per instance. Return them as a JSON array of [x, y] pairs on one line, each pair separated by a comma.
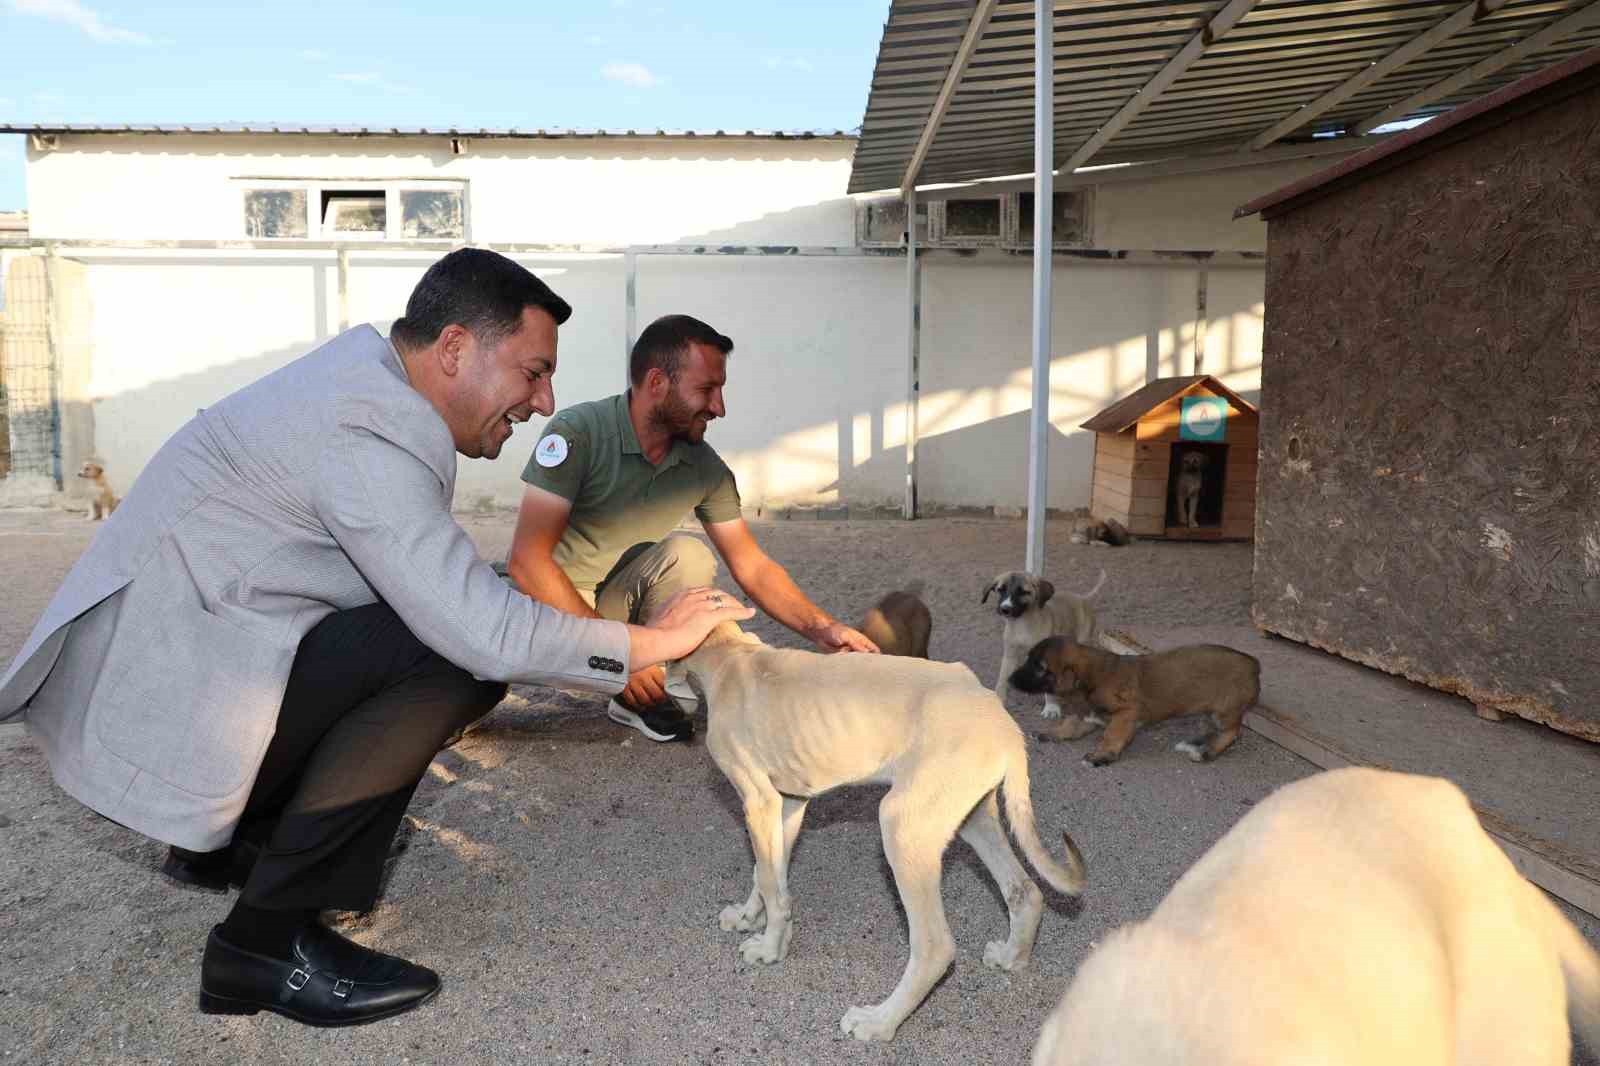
[[1429, 493], [1131, 471]]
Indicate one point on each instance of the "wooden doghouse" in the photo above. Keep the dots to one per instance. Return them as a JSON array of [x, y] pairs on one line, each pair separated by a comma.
[[1137, 444]]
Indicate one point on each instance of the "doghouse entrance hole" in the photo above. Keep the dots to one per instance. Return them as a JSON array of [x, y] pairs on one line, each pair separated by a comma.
[[1212, 482]]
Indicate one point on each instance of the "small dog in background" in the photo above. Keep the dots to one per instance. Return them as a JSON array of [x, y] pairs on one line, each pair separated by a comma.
[[104, 501], [1033, 612], [1358, 917], [1191, 478], [1092, 530], [900, 623], [1136, 689]]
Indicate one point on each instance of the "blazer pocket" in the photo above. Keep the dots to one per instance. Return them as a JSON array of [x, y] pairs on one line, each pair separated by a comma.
[[197, 709]]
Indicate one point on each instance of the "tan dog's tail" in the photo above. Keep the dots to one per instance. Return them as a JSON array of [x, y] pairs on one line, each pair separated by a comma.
[[1019, 811], [1581, 967]]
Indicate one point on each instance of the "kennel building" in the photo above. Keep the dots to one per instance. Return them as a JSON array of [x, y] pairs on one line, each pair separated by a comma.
[[1430, 451]]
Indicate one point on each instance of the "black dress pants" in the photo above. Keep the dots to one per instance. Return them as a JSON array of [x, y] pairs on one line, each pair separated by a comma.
[[367, 708]]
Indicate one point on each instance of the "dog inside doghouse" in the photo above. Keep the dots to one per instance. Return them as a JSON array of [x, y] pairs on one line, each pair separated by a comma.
[[1191, 462]]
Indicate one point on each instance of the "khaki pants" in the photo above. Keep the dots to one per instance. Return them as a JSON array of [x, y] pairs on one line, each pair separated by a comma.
[[648, 575]]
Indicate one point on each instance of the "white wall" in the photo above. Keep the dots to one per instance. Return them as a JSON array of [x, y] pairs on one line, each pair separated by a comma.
[[591, 191], [817, 384]]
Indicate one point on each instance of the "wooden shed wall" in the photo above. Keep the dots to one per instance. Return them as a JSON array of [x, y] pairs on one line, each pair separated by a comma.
[[1429, 494]]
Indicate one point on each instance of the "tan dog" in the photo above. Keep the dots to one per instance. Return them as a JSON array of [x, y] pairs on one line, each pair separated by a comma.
[[1191, 478], [104, 500], [786, 725], [1358, 917], [1136, 689], [900, 623], [1033, 611]]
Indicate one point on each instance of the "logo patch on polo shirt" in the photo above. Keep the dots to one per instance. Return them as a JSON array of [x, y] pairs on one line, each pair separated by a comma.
[[552, 450]]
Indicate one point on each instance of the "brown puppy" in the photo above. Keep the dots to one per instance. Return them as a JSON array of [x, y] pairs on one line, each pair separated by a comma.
[[1135, 689], [1093, 531], [900, 623], [104, 500]]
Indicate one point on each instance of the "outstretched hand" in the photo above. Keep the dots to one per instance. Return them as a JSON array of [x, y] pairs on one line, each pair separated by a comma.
[[837, 636]]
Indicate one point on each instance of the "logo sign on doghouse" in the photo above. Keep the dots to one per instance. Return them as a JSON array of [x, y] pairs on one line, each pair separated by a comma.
[[1203, 418]]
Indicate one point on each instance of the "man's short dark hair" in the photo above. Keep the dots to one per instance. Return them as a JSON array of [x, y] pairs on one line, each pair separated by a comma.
[[665, 343], [478, 289]]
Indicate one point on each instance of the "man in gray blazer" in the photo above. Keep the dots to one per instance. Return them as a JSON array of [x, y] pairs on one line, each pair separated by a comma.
[[261, 652]]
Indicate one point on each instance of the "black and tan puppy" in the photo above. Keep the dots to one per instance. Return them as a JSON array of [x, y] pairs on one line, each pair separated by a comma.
[[900, 623], [1136, 689]]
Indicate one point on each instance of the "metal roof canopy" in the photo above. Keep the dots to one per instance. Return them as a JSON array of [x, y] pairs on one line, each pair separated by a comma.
[[1166, 83], [1140, 80], [292, 129], [1579, 74]]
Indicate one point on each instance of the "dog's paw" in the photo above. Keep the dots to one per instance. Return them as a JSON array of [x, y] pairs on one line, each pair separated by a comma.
[[1051, 710], [1196, 750], [736, 919], [1002, 956], [761, 949], [867, 1023], [1095, 758]]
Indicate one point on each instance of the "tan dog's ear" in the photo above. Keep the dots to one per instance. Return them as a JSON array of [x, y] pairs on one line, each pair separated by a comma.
[[988, 589], [1046, 590]]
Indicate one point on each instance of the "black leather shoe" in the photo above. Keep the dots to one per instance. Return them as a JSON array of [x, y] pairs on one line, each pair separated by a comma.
[[327, 981]]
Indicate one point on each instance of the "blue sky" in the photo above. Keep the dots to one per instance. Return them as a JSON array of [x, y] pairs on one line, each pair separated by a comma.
[[613, 63]]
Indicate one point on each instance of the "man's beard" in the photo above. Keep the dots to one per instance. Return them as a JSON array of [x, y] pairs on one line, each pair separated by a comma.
[[677, 419]]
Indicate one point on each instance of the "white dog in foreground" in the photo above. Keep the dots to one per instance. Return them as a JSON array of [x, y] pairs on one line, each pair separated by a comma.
[[786, 725], [1357, 917]]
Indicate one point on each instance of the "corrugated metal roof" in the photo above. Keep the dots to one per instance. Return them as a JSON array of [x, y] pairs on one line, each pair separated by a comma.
[[1550, 85], [297, 129], [1279, 57], [1126, 412]]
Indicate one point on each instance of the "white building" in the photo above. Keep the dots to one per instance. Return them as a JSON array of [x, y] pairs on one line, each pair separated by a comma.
[[146, 328]]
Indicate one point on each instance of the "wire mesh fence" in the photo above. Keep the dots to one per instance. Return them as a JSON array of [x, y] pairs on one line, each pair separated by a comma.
[[30, 421]]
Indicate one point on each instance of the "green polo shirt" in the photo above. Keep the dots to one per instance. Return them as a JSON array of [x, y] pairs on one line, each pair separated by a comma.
[[618, 497]]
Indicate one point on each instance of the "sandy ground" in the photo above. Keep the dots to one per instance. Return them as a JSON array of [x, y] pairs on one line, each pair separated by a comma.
[[564, 875]]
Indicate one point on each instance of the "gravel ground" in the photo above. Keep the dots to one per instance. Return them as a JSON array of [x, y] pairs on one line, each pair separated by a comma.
[[565, 875]]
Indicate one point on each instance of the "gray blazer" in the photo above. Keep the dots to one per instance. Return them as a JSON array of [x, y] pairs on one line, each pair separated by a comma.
[[154, 678]]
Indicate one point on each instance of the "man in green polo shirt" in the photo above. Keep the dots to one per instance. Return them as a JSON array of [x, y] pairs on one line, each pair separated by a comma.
[[610, 479]]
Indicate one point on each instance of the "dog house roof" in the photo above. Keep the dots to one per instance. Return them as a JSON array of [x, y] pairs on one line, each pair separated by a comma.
[[1126, 412]]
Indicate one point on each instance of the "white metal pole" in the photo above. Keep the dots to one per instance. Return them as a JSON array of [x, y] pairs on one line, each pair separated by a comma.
[[630, 312], [913, 350], [1043, 201]]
